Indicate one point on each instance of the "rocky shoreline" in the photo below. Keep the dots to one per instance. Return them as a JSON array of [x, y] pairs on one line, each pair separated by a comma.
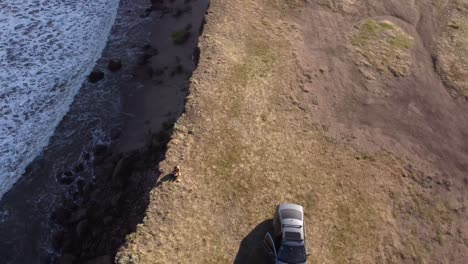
[[111, 206], [95, 217]]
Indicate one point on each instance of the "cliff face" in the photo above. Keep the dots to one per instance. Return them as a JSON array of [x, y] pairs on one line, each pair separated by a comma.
[[335, 105]]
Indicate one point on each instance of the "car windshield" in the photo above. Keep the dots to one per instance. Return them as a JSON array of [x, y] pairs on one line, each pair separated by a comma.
[[292, 254]]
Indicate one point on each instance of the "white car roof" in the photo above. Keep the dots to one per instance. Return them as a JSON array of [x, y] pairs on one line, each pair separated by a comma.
[[292, 221]]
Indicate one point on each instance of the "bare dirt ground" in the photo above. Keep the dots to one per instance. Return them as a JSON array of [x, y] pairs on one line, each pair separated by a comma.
[[335, 105], [376, 98]]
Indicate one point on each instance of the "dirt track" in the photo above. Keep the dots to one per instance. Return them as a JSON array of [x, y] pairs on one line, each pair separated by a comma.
[[282, 109]]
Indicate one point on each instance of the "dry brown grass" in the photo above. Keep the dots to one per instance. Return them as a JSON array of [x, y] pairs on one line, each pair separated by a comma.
[[384, 46], [251, 147]]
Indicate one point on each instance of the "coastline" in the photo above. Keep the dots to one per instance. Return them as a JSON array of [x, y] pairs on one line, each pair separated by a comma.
[[244, 130], [59, 175], [124, 172], [34, 71]]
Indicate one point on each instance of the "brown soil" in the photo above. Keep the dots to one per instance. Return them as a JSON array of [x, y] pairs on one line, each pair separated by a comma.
[[286, 106]]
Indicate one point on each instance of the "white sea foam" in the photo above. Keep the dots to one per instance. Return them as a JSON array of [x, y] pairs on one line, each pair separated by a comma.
[[47, 48]]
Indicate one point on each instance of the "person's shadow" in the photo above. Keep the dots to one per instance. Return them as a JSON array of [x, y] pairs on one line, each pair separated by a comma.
[[167, 178], [252, 250]]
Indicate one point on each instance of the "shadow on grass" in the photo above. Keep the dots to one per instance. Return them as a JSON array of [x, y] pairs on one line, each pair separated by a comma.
[[167, 178], [251, 250]]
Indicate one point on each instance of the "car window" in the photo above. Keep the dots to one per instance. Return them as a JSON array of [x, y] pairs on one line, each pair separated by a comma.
[[292, 254]]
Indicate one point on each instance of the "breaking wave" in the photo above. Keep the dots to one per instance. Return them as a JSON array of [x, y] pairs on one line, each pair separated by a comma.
[[47, 48]]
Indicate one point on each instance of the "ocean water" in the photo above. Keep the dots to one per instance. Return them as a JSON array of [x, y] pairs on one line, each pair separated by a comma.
[[92, 117], [47, 48]]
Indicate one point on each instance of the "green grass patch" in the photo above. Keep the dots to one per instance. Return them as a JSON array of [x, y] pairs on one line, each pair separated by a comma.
[[180, 36], [384, 46]]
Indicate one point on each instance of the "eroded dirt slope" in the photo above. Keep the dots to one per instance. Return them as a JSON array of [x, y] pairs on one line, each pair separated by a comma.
[[322, 103]]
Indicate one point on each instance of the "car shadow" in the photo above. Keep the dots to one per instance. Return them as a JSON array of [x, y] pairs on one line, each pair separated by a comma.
[[251, 249]]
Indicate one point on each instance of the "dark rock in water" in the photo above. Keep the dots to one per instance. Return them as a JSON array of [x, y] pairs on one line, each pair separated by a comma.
[[68, 173], [106, 259], [95, 76], [114, 65], [179, 69], [78, 168], [100, 150]]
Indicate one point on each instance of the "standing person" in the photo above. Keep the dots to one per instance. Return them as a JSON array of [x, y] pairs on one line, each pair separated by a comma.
[[176, 173]]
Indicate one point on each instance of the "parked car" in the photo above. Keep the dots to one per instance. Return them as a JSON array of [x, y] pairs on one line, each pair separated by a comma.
[[287, 244]]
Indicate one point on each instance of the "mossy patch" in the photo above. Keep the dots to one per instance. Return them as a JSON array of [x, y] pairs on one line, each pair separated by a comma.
[[180, 36], [384, 46], [452, 61]]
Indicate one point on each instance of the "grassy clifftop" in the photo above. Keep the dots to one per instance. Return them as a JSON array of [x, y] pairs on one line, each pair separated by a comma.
[[247, 142]]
